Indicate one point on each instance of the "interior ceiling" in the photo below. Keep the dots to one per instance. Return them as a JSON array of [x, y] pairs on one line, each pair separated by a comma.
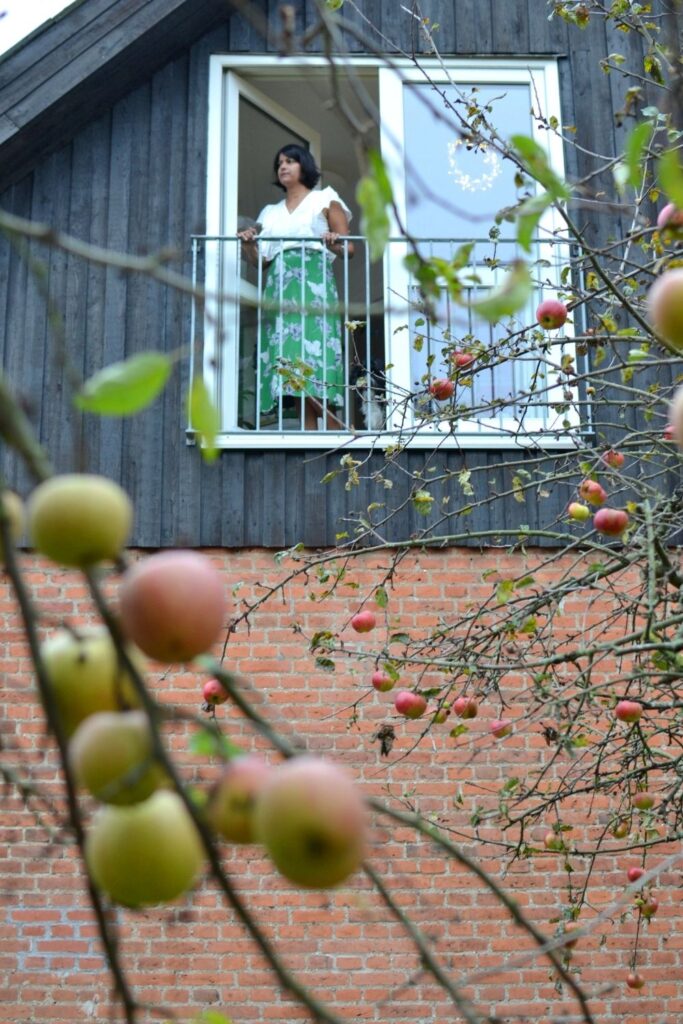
[[309, 96]]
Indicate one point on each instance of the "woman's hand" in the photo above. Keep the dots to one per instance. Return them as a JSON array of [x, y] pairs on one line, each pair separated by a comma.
[[249, 249], [339, 227], [331, 240]]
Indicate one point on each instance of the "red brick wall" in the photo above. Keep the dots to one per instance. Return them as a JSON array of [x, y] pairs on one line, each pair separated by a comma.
[[195, 955]]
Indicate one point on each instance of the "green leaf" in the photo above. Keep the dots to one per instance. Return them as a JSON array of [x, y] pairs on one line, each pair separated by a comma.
[[125, 388], [374, 195], [528, 216], [399, 638], [212, 1017], [381, 597], [535, 160], [462, 256], [211, 743], [458, 730], [325, 664], [204, 418], [504, 591], [634, 150], [510, 296], [671, 176]]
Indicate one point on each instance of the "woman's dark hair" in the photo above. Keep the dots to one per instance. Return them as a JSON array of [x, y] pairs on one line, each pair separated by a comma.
[[310, 175]]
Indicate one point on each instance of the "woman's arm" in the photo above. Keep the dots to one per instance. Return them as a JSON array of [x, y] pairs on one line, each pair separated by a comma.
[[249, 247], [339, 225]]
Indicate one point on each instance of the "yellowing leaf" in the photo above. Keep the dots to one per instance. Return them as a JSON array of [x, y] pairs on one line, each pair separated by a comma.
[[509, 297], [204, 418], [671, 176], [374, 195]]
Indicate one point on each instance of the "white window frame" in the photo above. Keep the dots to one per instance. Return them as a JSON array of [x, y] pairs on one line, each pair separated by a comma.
[[543, 76]]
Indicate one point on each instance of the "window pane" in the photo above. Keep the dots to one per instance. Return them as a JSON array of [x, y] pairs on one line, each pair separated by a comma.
[[461, 186]]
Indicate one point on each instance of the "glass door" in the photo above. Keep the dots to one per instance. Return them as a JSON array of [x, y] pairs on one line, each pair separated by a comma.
[[254, 127], [448, 187]]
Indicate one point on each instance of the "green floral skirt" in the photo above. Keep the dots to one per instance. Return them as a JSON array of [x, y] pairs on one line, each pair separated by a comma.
[[301, 339]]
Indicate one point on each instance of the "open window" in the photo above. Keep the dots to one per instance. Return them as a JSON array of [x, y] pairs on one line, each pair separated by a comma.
[[447, 193]]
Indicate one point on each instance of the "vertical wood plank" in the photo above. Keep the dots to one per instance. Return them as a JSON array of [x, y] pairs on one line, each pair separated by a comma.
[[98, 141], [17, 278], [58, 414], [546, 35], [465, 40], [511, 30], [176, 318]]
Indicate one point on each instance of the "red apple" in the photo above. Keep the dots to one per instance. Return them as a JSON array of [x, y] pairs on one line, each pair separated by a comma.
[[649, 907], [553, 841], [675, 425], [580, 513], [592, 492], [643, 800], [610, 521], [633, 874], [364, 622], [551, 314], [213, 692], [172, 604], [670, 218], [665, 304], [628, 711], [382, 681], [442, 389], [500, 727], [465, 707], [410, 704], [462, 359], [614, 459], [311, 818], [230, 808], [635, 980], [621, 829]]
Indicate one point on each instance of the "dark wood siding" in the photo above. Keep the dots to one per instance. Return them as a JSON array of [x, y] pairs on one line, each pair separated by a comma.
[[132, 178]]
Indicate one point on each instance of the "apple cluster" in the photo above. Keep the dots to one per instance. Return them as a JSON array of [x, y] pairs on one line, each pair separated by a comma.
[[443, 388], [611, 522], [413, 704], [144, 846]]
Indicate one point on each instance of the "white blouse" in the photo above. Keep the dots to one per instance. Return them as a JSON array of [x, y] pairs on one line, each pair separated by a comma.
[[308, 220]]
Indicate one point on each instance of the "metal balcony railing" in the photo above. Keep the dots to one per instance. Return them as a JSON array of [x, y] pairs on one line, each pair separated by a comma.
[[290, 339]]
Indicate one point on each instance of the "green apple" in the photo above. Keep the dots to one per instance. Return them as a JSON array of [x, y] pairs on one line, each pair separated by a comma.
[[110, 755], [85, 675], [79, 519], [13, 508], [311, 819], [230, 809], [144, 854]]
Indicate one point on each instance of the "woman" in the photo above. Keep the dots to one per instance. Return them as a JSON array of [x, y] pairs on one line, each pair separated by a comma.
[[305, 333]]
